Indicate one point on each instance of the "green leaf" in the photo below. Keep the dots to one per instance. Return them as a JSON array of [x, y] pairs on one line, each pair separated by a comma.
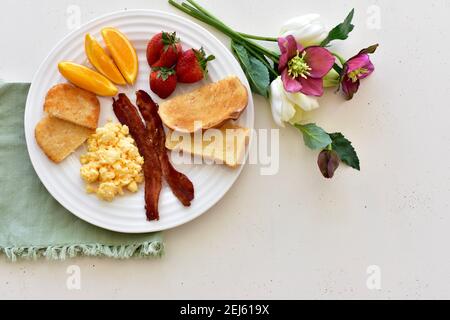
[[345, 150], [256, 72], [315, 137], [341, 31]]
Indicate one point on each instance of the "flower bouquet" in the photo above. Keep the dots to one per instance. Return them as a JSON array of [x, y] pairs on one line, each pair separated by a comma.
[[294, 77]]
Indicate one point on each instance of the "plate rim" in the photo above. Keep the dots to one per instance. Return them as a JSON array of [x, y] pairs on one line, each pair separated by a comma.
[[155, 228]]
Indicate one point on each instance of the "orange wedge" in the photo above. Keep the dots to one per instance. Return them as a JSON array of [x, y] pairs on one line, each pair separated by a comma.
[[101, 61], [87, 79], [123, 53]]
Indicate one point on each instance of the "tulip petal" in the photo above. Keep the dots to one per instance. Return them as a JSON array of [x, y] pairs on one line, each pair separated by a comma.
[[306, 103], [276, 102], [283, 110], [320, 60], [298, 116], [307, 39], [309, 35], [300, 22], [311, 86], [290, 84], [349, 87], [287, 109]]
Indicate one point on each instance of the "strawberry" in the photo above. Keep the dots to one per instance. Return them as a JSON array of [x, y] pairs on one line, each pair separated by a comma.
[[192, 65], [163, 50], [163, 81]]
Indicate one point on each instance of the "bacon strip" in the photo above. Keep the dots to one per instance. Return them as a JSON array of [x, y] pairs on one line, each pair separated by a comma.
[[128, 115], [181, 186]]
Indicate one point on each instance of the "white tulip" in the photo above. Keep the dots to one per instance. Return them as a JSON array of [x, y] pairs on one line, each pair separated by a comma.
[[276, 103], [289, 107], [306, 103], [308, 29], [282, 109]]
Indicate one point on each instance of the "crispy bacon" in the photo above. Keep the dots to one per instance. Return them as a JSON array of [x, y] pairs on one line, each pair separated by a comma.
[[128, 115], [181, 186]]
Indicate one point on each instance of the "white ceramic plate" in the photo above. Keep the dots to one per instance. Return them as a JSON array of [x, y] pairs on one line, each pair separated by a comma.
[[127, 214]]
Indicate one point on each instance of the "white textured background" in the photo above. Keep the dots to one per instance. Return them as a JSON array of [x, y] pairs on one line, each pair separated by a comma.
[[293, 235]]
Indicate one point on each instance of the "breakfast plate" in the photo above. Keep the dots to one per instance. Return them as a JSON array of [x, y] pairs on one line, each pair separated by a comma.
[[127, 213]]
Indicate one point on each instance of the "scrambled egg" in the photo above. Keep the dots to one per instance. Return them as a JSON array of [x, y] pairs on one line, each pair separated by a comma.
[[112, 163]]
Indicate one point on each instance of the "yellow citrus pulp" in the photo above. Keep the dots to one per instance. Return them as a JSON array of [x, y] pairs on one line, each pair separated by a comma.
[[87, 79], [122, 52], [101, 61]]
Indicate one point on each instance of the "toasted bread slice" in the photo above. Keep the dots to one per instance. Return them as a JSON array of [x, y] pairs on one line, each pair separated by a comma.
[[59, 138], [224, 145], [209, 106], [70, 103]]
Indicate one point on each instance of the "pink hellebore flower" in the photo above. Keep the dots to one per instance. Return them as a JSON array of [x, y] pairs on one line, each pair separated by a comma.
[[356, 69], [302, 69]]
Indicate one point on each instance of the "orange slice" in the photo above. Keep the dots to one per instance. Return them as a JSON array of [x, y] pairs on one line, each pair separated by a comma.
[[101, 61], [87, 79], [123, 53]]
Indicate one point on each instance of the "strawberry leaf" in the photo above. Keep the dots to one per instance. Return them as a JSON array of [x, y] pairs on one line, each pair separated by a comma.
[[203, 59], [169, 39], [163, 73]]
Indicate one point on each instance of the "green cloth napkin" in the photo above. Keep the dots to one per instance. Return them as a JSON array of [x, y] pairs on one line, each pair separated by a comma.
[[32, 223]]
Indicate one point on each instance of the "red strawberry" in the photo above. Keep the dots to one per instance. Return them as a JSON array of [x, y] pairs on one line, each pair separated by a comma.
[[192, 65], [163, 81], [163, 50], [154, 48]]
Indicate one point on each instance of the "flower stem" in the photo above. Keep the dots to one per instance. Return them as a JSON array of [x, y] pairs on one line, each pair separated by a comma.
[[339, 57], [196, 11], [262, 59], [272, 55], [202, 10], [250, 36]]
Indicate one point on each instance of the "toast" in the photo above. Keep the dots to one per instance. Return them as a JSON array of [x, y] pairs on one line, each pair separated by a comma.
[[206, 107], [224, 145], [70, 103], [59, 138]]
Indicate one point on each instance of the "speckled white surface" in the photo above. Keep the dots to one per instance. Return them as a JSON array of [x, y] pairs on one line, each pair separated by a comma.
[[292, 235]]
